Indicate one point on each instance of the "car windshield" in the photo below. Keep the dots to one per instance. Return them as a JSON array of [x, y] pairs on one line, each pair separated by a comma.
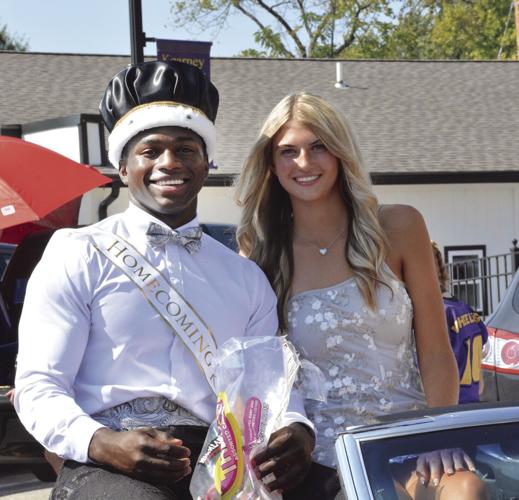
[[493, 448]]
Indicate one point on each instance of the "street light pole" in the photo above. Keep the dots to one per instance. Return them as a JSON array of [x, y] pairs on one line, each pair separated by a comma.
[[137, 36]]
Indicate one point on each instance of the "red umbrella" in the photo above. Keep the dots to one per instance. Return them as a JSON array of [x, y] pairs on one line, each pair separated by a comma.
[[35, 180]]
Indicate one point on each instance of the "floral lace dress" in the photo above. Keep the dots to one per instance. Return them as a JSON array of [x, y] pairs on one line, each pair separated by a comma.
[[368, 357]]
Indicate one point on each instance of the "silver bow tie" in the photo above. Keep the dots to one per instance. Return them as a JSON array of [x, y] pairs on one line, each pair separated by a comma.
[[189, 238]]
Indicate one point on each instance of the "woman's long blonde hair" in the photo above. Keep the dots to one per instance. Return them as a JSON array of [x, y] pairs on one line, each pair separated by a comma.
[[265, 232]]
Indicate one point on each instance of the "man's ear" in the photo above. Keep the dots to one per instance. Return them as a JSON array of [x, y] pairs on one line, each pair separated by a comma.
[[206, 167], [123, 172]]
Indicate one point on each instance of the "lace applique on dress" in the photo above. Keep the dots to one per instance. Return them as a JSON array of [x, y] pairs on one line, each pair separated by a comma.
[[368, 358]]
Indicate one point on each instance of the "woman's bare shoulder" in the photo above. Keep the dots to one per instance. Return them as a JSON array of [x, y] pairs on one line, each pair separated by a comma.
[[397, 218]]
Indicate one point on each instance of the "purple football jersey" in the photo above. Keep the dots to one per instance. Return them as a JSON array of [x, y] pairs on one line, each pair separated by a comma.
[[467, 333]]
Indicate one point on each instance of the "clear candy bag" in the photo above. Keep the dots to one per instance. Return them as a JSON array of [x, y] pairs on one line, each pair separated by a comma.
[[254, 378]]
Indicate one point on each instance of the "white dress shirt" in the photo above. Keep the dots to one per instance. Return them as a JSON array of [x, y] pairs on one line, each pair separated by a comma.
[[90, 341]]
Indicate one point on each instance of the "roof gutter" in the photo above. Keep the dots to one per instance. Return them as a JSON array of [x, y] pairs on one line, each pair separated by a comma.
[[392, 178], [468, 177]]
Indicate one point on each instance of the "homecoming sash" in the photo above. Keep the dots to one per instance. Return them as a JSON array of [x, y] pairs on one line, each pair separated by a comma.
[[162, 296]]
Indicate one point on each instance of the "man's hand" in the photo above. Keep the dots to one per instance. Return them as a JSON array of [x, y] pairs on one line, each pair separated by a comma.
[[287, 456], [431, 466], [144, 453]]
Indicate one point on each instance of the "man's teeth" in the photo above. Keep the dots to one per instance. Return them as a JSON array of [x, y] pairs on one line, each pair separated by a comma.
[[170, 182], [308, 178]]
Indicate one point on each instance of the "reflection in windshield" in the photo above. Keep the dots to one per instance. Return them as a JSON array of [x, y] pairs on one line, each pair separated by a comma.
[[493, 449]]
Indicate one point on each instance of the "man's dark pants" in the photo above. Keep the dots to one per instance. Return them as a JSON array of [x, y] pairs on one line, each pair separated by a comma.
[[78, 481]]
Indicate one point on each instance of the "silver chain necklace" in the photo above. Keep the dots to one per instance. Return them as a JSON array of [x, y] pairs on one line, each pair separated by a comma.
[[324, 250]]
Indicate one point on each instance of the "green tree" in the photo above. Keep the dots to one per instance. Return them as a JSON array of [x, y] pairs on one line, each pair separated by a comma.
[[288, 28], [405, 36], [11, 42], [364, 29], [474, 30], [441, 29]]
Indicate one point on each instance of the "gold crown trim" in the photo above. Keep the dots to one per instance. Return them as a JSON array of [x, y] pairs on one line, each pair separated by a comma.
[[158, 104]]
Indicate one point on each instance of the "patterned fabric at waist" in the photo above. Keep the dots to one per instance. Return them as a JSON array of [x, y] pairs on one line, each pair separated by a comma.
[[156, 411]]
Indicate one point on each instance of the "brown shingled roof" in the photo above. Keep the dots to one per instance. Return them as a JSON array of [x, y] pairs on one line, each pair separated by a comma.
[[409, 116]]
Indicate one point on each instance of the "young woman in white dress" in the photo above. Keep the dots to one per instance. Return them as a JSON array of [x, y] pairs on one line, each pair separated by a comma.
[[357, 289]]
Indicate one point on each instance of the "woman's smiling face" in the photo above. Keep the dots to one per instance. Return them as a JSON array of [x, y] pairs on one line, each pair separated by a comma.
[[304, 167]]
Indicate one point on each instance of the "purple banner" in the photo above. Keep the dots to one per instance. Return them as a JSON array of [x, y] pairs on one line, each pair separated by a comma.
[[195, 53]]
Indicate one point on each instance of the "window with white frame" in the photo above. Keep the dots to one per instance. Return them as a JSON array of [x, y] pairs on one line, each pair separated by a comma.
[[467, 270]]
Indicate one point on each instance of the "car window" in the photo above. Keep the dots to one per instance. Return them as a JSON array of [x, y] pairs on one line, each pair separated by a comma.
[[4, 260], [224, 233], [6, 251], [515, 300], [494, 449], [374, 461], [494, 453]]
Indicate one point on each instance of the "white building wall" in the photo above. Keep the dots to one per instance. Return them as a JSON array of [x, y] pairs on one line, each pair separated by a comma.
[[456, 214], [88, 214], [463, 214], [63, 140], [215, 204]]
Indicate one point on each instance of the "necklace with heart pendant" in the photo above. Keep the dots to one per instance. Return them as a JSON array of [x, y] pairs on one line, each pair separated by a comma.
[[324, 250]]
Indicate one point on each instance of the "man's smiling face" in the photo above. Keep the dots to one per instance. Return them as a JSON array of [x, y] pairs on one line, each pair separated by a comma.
[[165, 169]]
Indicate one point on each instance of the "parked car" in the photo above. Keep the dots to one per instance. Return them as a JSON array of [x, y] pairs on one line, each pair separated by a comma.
[[224, 233], [17, 446], [500, 364], [488, 432]]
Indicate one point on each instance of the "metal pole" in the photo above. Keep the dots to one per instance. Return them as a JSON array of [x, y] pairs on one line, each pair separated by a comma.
[[514, 251], [516, 8], [137, 37]]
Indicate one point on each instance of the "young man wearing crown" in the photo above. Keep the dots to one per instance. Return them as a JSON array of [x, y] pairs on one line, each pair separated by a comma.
[[122, 319]]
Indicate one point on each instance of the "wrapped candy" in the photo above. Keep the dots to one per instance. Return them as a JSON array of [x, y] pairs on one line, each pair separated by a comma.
[[254, 379]]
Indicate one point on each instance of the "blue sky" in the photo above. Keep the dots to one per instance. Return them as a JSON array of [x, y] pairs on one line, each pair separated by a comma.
[[102, 26]]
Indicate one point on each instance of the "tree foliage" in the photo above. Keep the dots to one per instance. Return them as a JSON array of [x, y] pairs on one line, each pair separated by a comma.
[[11, 42], [288, 28], [474, 30], [455, 29], [383, 29]]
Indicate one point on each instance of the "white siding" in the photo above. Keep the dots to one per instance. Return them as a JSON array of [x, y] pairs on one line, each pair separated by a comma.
[[215, 204], [463, 214], [456, 214]]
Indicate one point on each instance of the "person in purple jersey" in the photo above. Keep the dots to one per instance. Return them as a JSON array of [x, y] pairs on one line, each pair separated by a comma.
[[467, 332]]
